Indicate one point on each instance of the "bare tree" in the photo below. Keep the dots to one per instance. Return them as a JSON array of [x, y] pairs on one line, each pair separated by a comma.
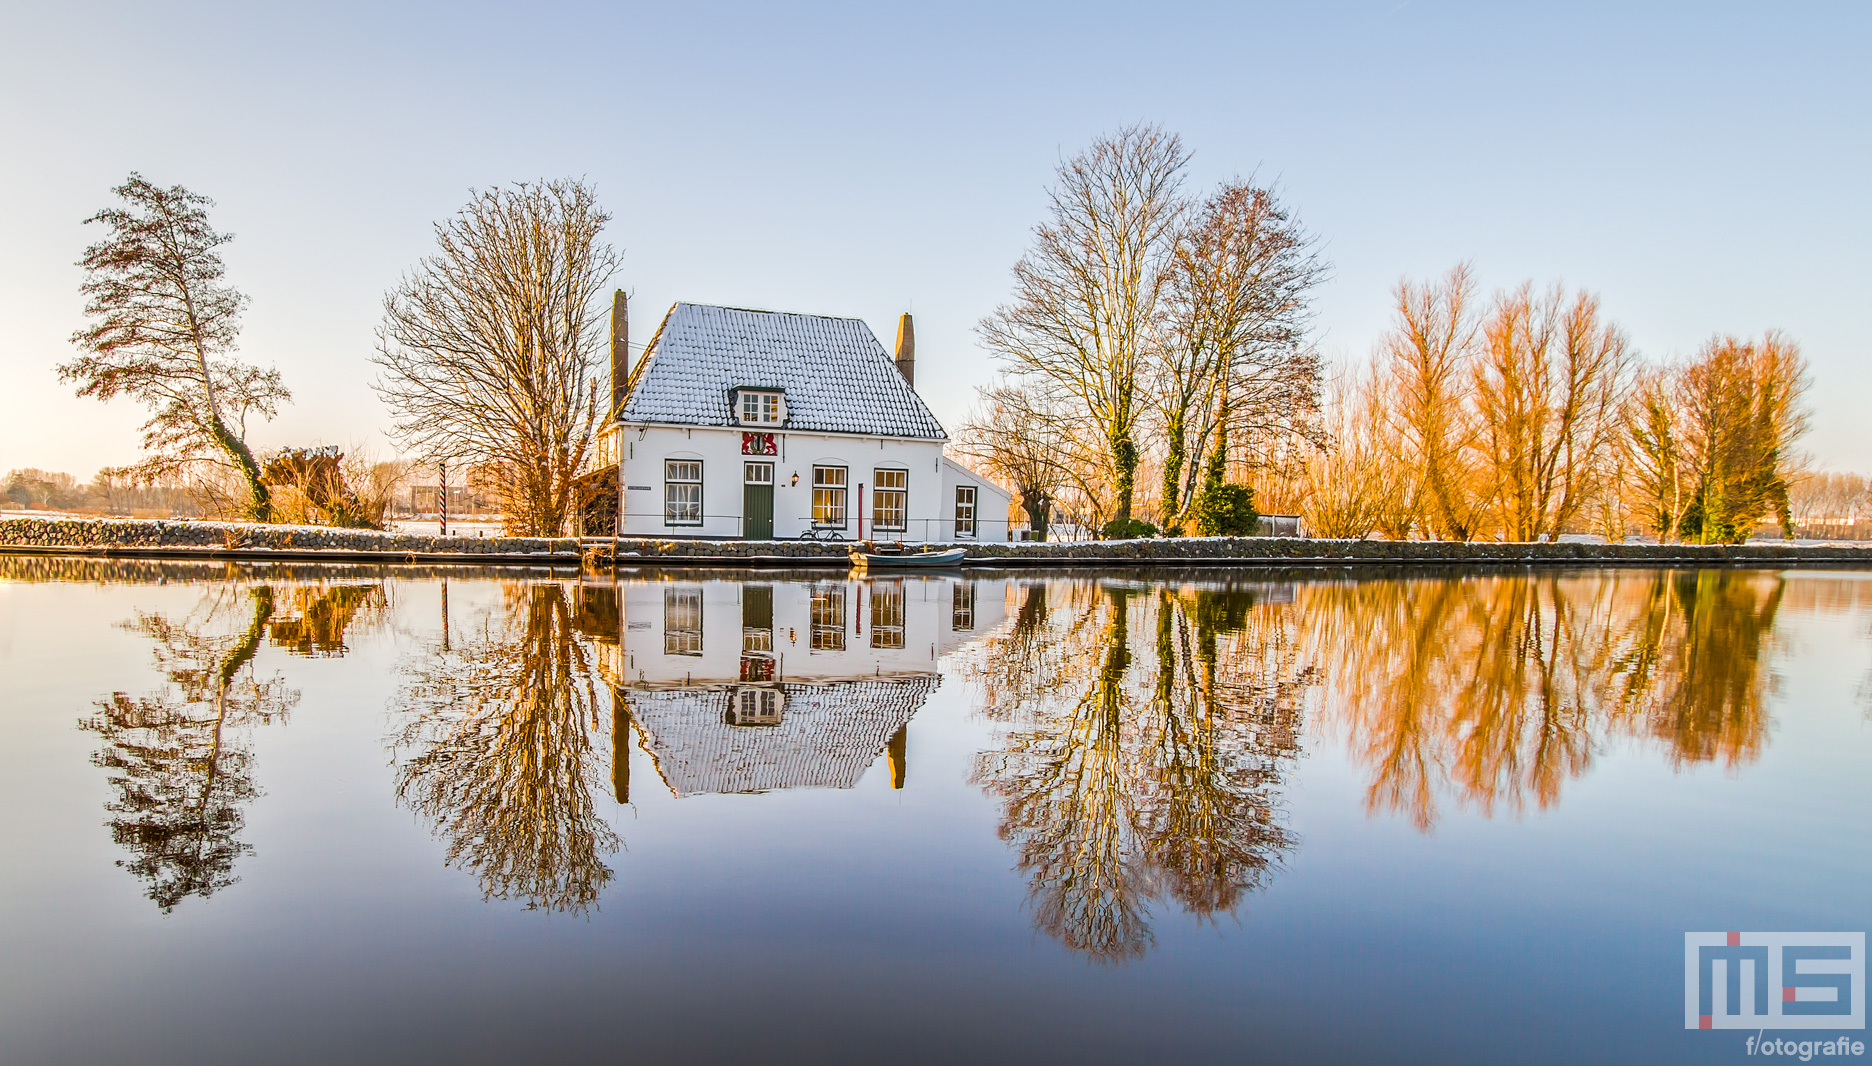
[[1710, 442], [1015, 439], [1822, 503], [1609, 508], [489, 348], [1742, 411], [1548, 390], [1654, 451], [1428, 358], [1087, 293], [163, 329], [377, 482], [1349, 485], [1233, 357]]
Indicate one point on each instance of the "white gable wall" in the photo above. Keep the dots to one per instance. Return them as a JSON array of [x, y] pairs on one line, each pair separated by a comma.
[[931, 629], [931, 483], [991, 502]]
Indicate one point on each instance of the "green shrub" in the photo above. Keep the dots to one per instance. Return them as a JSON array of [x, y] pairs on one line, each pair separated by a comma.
[[1226, 510], [1127, 529]]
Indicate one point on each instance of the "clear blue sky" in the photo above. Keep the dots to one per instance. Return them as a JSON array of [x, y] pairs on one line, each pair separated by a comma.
[[1702, 166]]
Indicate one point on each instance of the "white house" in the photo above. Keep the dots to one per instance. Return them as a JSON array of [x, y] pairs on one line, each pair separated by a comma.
[[769, 425], [751, 686]]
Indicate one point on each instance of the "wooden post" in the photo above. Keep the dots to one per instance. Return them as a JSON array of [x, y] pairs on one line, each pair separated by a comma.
[[442, 503]]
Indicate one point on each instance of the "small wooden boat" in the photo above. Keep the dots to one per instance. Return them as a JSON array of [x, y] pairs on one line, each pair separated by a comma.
[[894, 557]]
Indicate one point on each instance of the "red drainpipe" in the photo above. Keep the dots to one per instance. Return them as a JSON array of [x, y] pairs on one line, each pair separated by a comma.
[[861, 510]]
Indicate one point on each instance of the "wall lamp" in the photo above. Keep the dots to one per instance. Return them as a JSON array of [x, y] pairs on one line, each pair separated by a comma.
[[795, 482]]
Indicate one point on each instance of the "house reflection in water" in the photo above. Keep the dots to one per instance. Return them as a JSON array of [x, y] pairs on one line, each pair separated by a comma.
[[749, 686]]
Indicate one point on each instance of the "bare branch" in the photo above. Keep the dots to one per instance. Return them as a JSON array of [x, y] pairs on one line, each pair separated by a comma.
[[489, 348]]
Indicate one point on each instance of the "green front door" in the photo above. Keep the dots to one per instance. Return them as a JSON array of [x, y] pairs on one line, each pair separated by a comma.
[[757, 501]]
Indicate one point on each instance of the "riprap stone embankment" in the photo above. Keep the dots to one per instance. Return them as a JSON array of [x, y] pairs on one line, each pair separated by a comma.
[[147, 538]]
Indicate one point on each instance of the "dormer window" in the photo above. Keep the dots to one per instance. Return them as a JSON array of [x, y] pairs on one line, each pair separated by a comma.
[[760, 407], [755, 706]]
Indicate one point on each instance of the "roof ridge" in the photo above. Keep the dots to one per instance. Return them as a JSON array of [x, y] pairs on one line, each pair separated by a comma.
[[771, 311]]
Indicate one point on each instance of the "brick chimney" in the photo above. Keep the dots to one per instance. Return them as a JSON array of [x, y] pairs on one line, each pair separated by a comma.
[[898, 747], [620, 746], [906, 350], [620, 351]]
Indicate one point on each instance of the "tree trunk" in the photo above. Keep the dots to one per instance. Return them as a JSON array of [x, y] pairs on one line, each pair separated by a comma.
[[259, 497], [1215, 471], [1173, 470], [1035, 503], [1124, 453]]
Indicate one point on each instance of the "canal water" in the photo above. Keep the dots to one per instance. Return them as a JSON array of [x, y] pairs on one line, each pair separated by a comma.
[[321, 815]]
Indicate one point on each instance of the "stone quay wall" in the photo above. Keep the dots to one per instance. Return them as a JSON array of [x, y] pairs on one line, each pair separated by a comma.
[[219, 539], [129, 537], [1279, 551], [1302, 551]]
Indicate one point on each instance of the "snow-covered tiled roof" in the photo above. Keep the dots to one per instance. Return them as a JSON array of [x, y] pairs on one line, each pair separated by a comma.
[[836, 375], [827, 737]]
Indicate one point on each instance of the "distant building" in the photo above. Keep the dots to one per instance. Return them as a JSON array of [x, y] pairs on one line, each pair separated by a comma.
[[764, 425]]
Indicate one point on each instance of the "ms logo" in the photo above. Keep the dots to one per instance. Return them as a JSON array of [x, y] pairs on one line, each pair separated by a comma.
[[1774, 980]]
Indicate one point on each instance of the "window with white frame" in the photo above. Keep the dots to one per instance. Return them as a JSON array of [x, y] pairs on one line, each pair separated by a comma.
[[682, 492], [889, 496], [965, 511], [755, 706], [762, 408], [828, 496], [682, 621], [887, 615], [962, 607], [827, 614]]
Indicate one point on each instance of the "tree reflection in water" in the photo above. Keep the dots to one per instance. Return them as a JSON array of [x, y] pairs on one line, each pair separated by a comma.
[[494, 745], [1127, 774], [1498, 690], [317, 617], [1144, 729], [1132, 770], [178, 760]]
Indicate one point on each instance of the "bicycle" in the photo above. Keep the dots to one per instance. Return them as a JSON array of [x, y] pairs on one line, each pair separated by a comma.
[[822, 533]]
